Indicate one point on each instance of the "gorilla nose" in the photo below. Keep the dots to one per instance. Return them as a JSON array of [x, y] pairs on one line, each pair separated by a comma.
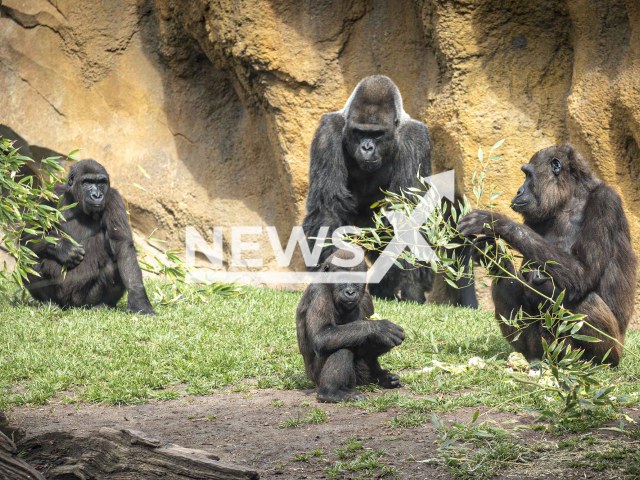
[[367, 147], [520, 191], [96, 196], [350, 293]]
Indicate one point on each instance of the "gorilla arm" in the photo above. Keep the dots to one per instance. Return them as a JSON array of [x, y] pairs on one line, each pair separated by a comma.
[[329, 202], [63, 251], [121, 243], [327, 337], [579, 271], [414, 154]]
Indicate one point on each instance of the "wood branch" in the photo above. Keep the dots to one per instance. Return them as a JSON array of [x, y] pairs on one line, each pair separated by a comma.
[[124, 454], [12, 467]]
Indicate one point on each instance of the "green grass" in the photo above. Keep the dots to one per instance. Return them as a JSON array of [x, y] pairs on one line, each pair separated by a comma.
[[114, 357], [352, 461]]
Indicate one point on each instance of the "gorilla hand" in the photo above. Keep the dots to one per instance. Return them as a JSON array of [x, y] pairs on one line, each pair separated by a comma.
[[495, 252], [388, 334], [478, 222], [66, 253], [480, 248]]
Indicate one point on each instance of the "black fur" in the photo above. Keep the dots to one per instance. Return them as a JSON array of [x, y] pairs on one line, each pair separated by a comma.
[[339, 346], [573, 218], [369, 146], [104, 265]]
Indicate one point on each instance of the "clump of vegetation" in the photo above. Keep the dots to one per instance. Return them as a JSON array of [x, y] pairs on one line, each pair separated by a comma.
[[22, 209], [353, 460], [314, 416]]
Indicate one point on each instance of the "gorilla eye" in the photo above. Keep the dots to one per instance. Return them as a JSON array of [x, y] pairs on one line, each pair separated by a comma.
[[70, 180], [556, 166]]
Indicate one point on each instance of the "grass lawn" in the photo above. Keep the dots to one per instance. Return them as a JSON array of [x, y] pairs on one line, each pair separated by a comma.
[[113, 357]]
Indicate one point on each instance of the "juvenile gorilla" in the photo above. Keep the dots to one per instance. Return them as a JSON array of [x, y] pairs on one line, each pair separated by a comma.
[[104, 265], [572, 218], [369, 146], [339, 345]]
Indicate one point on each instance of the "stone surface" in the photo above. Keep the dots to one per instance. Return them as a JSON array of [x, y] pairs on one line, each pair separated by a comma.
[[218, 100]]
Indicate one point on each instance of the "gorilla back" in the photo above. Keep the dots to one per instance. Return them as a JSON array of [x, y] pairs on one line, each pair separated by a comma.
[[103, 264]]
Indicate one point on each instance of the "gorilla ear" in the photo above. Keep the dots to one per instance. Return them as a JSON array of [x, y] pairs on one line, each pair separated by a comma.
[[70, 180], [556, 166]]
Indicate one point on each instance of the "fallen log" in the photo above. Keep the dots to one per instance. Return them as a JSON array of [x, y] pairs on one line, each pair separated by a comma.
[[123, 455], [11, 466]]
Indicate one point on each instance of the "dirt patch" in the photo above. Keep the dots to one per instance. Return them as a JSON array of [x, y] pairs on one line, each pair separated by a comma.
[[245, 429]]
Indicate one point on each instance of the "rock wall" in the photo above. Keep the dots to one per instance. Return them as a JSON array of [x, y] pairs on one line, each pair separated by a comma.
[[218, 99]]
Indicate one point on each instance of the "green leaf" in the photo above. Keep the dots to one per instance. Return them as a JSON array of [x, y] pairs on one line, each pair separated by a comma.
[[497, 144], [451, 282], [144, 172], [558, 301], [480, 154], [475, 416], [576, 327], [586, 338]]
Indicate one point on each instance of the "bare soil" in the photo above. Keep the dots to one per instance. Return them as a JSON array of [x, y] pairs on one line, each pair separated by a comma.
[[244, 429]]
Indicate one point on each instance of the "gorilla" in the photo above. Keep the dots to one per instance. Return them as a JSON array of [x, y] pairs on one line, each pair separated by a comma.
[[103, 265], [339, 345], [369, 146], [573, 218]]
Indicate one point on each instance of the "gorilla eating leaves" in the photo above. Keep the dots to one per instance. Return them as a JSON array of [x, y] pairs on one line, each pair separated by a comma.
[[103, 265], [339, 345], [369, 146], [572, 218]]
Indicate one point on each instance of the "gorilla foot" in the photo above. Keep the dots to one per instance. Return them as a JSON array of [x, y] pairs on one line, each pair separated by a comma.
[[389, 380], [326, 395]]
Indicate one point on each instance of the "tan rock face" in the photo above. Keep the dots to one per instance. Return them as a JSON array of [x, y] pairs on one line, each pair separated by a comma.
[[218, 100]]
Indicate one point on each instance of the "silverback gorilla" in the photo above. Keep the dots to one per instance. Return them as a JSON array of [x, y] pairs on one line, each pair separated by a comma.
[[339, 345], [104, 264], [572, 218], [369, 146]]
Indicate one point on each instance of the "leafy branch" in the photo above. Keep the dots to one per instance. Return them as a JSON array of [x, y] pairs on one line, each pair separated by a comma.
[[28, 203]]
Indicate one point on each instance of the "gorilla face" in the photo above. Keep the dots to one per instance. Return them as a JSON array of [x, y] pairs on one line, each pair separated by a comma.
[[370, 129], [346, 293], [548, 184], [370, 144], [94, 192], [90, 184], [525, 199]]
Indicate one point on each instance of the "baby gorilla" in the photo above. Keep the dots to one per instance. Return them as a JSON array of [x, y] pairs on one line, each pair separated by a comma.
[[339, 345]]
